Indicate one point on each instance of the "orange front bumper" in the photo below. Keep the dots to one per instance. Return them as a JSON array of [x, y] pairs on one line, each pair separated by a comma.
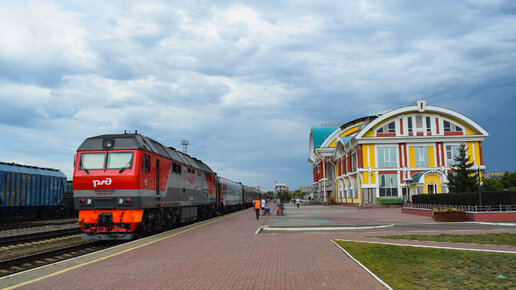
[[130, 216]]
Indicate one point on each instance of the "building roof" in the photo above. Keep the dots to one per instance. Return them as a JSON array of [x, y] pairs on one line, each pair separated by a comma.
[[320, 134], [366, 119], [417, 176], [421, 107], [346, 139]]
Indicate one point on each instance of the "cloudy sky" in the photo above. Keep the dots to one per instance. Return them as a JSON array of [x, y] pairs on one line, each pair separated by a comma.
[[245, 81]]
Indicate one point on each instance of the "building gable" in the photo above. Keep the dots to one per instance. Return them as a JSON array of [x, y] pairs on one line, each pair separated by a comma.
[[412, 121]]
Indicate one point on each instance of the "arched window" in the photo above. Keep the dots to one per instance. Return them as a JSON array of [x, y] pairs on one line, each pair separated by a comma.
[[451, 127], [387, 128]]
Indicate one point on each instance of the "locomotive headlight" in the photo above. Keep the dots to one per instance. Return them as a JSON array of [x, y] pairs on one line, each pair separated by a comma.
[[120, 201], [88, 202], [108, 143]]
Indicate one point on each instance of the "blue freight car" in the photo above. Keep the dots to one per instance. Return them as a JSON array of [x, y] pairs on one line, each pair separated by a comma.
[[27, 191]]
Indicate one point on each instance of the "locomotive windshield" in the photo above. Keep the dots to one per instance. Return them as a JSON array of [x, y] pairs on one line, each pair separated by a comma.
[[115, 160], [92, 161], [120, 160]]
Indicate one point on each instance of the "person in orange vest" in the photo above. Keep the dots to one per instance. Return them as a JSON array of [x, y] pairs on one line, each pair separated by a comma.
[[257, 208]]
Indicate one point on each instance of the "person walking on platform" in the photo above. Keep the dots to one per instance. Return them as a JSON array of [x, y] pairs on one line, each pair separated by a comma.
[[257, 208], [262, 205]]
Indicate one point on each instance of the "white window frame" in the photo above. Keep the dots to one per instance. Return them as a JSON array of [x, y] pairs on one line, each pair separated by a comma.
[[385, 128], [453, 126], [419, 129], [392, 161], [419, 155], [390, 186], [449, 161]]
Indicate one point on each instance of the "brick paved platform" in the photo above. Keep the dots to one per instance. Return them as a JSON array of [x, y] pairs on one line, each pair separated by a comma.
[[226, 253]]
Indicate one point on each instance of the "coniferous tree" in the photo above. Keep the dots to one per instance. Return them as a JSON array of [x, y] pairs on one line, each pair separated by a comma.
[[508, 180], [464, 179]]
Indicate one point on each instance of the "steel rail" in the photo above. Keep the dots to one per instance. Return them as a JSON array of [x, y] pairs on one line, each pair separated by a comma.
[[22, 225], [34, 237], [11, 266]]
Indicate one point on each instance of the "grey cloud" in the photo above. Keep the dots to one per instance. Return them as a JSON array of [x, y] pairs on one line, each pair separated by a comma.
[[245, 81]]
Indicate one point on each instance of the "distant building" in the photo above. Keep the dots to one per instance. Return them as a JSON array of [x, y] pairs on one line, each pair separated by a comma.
[[495, 174], [259, 188], [280, 188], [400, 153], [305, 189]]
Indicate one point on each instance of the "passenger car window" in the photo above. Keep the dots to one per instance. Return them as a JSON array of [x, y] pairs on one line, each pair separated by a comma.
[[92, 161]]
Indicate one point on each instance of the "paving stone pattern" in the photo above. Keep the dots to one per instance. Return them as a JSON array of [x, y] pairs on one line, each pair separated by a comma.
[[227, 254]]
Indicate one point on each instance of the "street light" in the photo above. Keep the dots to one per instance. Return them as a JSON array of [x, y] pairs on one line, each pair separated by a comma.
[[479, 186], [407, 188]]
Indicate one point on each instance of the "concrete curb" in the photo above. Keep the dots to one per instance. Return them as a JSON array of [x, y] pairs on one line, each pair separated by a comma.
[[361, 265], [304, 229]]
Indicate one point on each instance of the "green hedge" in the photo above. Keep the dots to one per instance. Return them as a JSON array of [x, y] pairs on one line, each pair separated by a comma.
[[467, 198], [390, 200]]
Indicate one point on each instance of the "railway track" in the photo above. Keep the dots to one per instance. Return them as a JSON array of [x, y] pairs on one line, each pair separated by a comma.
[[11, 266], [27, 238], [22, 225]]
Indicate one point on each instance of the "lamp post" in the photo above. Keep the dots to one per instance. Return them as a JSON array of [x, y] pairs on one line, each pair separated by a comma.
[[407, 189], [479, 187]]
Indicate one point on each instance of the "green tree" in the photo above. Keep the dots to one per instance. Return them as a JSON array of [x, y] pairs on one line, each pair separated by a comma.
[[508, 180], [285, 195], [464, 179], [491, 184]]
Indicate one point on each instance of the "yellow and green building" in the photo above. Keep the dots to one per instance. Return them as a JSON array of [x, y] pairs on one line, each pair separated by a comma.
[[389, 156]]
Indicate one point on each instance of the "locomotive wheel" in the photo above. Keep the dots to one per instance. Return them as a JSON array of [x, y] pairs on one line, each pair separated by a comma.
[[159, 221], [147, 221], [204, 213], [169, 219]]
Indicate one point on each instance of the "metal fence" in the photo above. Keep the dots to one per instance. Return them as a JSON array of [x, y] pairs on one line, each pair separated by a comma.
[[466, 208]]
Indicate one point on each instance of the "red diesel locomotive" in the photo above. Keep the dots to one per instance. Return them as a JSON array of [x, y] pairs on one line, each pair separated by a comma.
[[128, 184]]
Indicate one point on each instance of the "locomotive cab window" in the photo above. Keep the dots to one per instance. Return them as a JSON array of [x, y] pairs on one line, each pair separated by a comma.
[[119, 160], [92, 161], [146, 163]]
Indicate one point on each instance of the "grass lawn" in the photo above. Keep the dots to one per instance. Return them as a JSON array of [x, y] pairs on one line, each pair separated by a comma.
[[404, 267], [489, 238]]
